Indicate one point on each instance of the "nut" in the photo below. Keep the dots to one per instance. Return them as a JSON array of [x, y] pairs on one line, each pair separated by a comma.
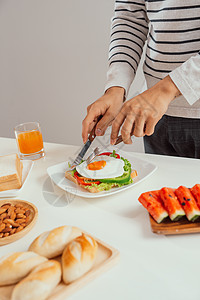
[[13, 215], [19, 210], [11, 222], [21, 216], [6, 205], [28, 219], [27, 213], [13, 231], [11, 209], [6, 234], [2, 227], [20, 220], [13, 218], [19, 205], [7, 230], [19, 229], [3, 216], [2, 210], [8, 226]]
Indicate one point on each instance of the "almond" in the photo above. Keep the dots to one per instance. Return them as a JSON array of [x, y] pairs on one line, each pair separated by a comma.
[[13, 231], [21, 216], [6, 234], [28, 219], [19, 206], [11, 209], [2, 227], [11, 222], [27, 213], [3, 216], [19, 229], [19, 211], [2, 210], [7, 230], [5, 206], [13, 215], [19, 220]]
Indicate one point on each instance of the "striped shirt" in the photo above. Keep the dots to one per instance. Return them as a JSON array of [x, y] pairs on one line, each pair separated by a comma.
[[172, 31]]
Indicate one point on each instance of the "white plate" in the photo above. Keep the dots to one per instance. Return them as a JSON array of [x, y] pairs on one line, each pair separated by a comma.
[[57, 174], [27, 166]]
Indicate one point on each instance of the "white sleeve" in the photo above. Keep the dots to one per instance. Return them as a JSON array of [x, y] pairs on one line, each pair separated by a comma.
[[129, 29], [187, 79]]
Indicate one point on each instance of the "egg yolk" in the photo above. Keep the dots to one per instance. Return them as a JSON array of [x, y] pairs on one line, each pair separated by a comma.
[[96, 165]]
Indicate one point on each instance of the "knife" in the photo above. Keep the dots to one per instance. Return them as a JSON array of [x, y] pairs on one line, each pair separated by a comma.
[[86, 146]]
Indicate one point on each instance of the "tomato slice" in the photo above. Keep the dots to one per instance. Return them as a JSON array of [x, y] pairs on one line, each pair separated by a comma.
[[109, 153], [81, 180]]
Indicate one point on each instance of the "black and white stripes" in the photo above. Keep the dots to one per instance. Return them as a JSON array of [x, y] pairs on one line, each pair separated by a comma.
[[129, 32], [172, 30]]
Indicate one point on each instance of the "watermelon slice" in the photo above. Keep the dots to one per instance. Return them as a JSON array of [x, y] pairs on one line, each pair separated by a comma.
[[195, 190], [153, 204], [171, 204], [188, 203]]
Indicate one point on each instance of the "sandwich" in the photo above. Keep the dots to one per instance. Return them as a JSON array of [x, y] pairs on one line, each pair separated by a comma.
[[108, 170]]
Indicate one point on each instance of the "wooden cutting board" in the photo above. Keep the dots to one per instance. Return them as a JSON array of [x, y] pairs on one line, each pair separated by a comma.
[[107, 257], [167, 227]]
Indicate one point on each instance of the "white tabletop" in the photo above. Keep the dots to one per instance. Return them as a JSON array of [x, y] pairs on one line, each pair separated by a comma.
[[151, 266]]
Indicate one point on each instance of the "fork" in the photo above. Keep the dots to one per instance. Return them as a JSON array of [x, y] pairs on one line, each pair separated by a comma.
[[97, 151]]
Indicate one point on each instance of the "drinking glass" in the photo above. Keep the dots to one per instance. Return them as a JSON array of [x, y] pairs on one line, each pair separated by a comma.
[[29, 140]]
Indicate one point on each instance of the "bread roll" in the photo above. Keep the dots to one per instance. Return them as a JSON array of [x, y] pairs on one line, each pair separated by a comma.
[[15, 266], [39, 283], [78, 257], [52, 243]]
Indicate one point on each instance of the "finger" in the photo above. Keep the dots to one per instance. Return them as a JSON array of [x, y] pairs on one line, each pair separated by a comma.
[[103, 124], [150, 126], [88, 108], [88, 124], [138, 130], [126, 130], [92, 125], [116, 127]]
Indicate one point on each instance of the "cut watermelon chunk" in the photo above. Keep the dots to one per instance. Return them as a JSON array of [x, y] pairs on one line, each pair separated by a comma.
[[188, 203], [171, 204], [153, 204], [195, 190]]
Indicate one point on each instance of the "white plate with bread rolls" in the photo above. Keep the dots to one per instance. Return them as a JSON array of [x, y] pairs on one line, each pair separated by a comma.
[[13, 174], [57, 174], [57, 263]]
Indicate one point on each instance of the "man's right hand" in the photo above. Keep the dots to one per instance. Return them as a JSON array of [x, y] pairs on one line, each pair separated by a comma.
[[107, 107]]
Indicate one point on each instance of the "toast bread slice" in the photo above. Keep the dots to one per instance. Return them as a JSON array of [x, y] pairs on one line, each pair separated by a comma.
[[93, 189], [10, 172]]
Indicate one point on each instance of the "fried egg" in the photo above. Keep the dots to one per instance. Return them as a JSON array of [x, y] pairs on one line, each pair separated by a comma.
[[101, 167]]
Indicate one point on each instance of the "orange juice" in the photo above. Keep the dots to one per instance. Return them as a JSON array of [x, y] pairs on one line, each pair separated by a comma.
[[30, 141]]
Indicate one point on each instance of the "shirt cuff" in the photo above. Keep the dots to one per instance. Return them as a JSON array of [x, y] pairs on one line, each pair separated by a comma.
[[120, 74], [186, 77]]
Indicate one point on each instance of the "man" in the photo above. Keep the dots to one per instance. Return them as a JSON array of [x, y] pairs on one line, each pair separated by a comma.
[[167, 114]]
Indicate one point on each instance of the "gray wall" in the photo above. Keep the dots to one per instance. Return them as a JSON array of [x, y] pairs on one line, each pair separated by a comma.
[[53, 63]]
